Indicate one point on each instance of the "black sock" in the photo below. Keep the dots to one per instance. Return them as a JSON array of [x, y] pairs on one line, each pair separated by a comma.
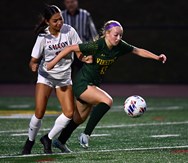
[[95, 116], [67, 131]]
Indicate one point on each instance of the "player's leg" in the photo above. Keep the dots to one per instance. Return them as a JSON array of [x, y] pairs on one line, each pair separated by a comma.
[[42, 93], [65, 97], [79, 117], [104, 102], [92, 95]]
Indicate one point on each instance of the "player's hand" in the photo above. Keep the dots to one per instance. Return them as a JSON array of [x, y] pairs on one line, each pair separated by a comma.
[[34, 67], [162, 58], [87, 59], [33, 64], [48, 65]]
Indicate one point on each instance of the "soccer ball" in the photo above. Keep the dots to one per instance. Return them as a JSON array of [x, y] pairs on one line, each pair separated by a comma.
[[135, 106]]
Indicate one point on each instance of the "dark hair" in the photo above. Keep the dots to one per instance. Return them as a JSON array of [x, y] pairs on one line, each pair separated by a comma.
[[48, 12]]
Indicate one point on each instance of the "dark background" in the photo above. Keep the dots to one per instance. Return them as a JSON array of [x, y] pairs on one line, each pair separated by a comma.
[[159, 26]]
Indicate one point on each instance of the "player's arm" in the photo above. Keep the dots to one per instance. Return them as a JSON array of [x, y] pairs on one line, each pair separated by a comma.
[[62, 54], [33, 64], [147, 54], [86, 59]]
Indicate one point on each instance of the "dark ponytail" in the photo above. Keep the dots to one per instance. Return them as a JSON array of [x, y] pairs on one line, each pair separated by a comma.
[[40, 28], [48, 12]]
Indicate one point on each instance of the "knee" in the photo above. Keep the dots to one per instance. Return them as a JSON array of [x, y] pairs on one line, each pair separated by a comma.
[[69, 114], [108, 101], [39, 114], [79, 120]]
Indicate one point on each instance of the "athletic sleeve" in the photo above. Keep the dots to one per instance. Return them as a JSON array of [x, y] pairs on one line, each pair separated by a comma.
[[88, 48], [126, 48], [37, 50]]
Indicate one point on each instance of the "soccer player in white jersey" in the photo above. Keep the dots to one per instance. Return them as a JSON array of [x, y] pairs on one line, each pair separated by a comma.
[[53, 36]]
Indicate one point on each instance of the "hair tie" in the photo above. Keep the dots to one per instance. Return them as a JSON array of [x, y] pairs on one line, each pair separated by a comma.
[[111, 25]]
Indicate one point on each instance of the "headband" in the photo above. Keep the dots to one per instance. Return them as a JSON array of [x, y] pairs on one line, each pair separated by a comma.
[[111, 25]]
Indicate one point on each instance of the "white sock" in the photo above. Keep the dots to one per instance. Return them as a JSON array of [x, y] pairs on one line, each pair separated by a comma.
[[34, 127], [60, 123]]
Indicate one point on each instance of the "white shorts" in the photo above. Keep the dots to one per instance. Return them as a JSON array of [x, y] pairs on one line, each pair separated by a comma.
[[55, 83]]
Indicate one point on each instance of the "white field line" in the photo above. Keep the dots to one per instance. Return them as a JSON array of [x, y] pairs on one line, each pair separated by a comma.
[[142, 124], [113, 107], [18, 131], [100, 151], [19, 106], [100, 135], [165, 136], [22, 134], [165, 108], [24, 116], [16, 116], [120, 107], [116, 108], [111, 126], [93, 135]]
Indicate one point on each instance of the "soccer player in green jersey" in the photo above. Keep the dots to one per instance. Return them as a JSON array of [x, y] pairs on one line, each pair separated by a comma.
[[105, 51]]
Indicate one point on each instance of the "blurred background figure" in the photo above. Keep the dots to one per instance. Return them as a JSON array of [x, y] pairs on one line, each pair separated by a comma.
[[81, 20]]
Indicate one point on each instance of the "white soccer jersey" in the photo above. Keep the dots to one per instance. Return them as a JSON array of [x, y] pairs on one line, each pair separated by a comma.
[[48, 46]]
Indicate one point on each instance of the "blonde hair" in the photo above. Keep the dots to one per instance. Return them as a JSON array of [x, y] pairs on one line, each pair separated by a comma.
[[108, 25]]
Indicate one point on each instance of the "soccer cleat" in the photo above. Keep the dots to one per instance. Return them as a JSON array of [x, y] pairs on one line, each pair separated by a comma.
[[27, 147], [63, 147], [84, 140], [47, 144]]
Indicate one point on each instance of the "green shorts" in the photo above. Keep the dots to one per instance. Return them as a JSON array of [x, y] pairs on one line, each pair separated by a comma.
[[79, 87], [80, 84]]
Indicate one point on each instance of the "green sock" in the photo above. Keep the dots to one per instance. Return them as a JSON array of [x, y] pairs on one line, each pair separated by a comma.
[[95, 116]]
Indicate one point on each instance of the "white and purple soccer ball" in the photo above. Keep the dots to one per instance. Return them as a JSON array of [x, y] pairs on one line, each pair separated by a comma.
[[135, 106]]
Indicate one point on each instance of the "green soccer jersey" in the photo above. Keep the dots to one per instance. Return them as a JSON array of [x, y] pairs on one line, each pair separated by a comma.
[[103, 58]]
